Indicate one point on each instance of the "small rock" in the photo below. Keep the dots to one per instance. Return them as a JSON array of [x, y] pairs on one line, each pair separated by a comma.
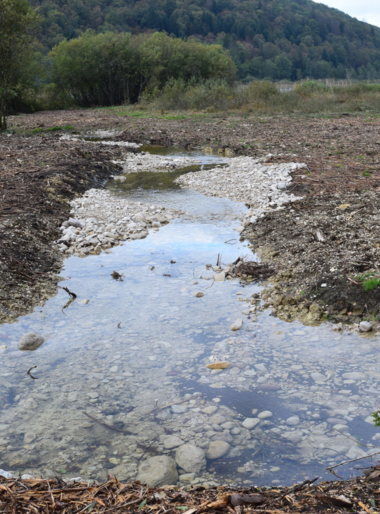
[[265, 414], [217, 449], [199, 294], [237, 325], [159, 470], [250, 423], [293, 421], [171, 441], [220, 277], [190, 458], [30, 342], [210, 409], [365, 326]]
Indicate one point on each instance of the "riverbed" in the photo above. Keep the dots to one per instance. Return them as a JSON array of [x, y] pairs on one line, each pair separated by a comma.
[[123, 376]]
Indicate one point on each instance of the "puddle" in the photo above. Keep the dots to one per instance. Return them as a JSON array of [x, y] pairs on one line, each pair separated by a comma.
[[124, 365]]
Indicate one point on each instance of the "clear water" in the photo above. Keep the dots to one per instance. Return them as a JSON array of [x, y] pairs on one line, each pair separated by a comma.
[[125, 365]]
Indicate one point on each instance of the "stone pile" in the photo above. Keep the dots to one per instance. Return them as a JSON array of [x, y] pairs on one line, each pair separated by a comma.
[[101, 220]]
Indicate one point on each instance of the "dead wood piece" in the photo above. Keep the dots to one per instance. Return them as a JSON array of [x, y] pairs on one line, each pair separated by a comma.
[[244, 499]]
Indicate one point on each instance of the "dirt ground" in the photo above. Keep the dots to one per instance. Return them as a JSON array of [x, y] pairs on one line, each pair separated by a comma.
[[319, 246]]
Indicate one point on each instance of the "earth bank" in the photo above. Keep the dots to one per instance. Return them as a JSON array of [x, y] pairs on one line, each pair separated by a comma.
[[320, 246]]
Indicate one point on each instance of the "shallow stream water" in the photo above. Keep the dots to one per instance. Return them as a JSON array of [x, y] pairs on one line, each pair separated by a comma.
[[124, 366]]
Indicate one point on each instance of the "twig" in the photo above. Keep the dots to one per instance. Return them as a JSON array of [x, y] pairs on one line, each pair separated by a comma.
[[73, 296], [330, 468], [218, 259], [30, 374], [104, 424]]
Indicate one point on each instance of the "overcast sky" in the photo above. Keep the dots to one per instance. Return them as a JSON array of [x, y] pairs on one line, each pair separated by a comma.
[[363, 10]]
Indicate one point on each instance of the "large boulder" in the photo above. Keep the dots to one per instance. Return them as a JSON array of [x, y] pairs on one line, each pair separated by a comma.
[[190, 458], [159, 470]]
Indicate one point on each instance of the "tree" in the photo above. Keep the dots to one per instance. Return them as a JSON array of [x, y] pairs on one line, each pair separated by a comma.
[[17, 20]]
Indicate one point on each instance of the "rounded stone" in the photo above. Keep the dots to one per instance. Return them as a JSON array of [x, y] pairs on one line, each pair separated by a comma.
[[171, 441], [365, 326], [190, 458], [250, 423], [159, 470], [30, 342], [293, 421], [217, 449], [265, 414]]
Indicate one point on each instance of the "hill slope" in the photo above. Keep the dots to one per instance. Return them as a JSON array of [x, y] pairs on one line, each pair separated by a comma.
[[278, 39]]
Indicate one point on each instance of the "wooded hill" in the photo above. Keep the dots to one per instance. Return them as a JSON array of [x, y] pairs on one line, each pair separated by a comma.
[[274, 39]]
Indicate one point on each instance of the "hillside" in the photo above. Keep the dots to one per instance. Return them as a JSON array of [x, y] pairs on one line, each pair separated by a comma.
[[276, 39]]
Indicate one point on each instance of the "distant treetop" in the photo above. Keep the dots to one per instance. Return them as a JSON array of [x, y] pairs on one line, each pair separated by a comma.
[[274, 39]]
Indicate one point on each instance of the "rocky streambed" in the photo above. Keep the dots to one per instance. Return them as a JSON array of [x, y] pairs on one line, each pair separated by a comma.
[[159, 367]]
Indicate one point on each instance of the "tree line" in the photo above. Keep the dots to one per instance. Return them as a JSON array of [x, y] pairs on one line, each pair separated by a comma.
[[270, 39]]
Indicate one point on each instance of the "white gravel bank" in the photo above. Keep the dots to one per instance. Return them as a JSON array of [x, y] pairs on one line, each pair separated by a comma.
[[143, 161], [259, 185], [101, 220]]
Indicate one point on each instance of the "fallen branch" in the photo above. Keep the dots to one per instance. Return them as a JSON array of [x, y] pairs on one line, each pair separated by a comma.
[[330, 468]]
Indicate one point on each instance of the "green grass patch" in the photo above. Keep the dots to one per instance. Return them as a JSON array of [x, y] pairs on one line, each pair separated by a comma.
[[369, 280], [55, 128]]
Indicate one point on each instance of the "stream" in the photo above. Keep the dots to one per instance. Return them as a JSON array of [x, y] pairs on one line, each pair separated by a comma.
[[122, 375]]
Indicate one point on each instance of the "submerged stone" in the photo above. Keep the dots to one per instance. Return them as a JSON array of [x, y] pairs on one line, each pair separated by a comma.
[[30, 342], [190, 458], [159, 470]]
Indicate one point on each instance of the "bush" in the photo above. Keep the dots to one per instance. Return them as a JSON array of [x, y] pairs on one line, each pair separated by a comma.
[[111, 69], [309, 88], [261, 90], [178, 94]]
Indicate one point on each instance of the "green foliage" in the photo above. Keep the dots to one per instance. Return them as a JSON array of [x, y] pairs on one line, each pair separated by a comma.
[[260, 97], [268, 39], [208, 95], [309, 87], [261, 90], [17, 20], [376, 418], [55, 128], [369, 280], [109, 68]]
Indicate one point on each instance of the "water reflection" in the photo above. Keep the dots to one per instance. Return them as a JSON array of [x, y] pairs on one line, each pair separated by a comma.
[[124, 366]]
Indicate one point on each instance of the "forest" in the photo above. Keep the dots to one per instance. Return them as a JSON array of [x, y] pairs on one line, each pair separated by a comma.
[[268, 39]]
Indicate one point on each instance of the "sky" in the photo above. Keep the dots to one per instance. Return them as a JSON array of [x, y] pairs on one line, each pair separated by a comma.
[[363, 10]]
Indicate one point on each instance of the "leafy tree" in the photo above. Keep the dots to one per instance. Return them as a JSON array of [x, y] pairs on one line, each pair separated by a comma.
[[317, 40], [17, 20], [113, 68]]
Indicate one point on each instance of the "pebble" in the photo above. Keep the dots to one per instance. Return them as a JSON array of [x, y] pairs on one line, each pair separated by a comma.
[[265, 414], [365, 326], [171, 441], [236, 325], [250, 423], [293, 421], [30, 342]]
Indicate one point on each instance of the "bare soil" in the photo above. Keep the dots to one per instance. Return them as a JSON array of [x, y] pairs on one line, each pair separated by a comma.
[[318, 246]]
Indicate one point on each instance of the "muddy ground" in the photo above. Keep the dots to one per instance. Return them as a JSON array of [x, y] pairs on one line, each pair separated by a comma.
[[320, 246]]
